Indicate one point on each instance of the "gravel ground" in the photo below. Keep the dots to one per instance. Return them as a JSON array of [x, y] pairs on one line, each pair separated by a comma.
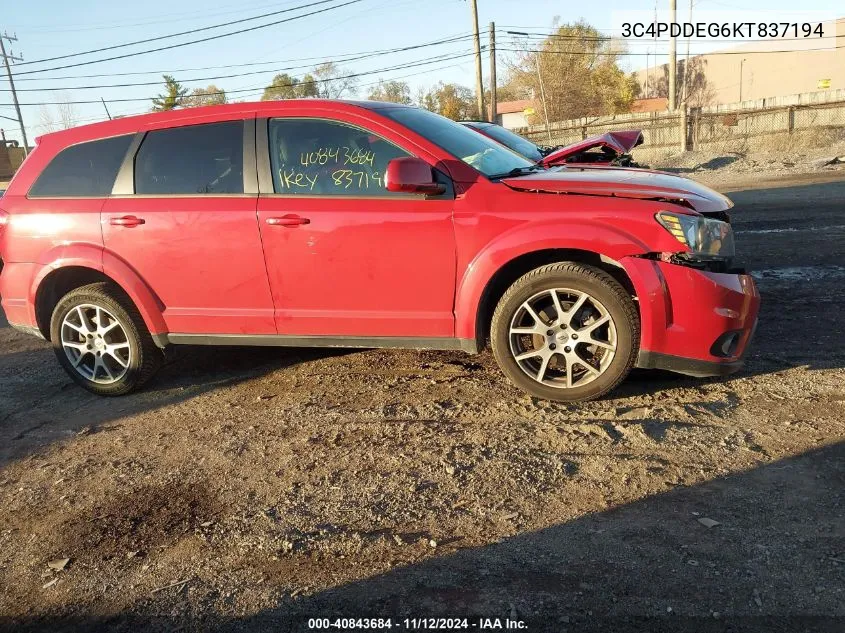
[[250, 489], [776, 156]]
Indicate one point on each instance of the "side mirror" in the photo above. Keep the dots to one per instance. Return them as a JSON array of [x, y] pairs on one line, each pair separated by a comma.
[[411, 175]]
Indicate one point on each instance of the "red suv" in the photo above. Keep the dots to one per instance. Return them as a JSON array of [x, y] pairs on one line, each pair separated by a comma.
[[326, 223]]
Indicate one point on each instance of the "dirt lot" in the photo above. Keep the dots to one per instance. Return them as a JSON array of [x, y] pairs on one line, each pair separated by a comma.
[[248, 489]]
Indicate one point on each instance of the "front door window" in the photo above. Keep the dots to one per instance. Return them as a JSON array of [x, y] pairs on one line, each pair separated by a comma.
[[328, 158]]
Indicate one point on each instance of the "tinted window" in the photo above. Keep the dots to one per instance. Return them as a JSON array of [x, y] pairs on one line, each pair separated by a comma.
[[476, 150], [314, 157], [514, 141], [86, 170], [197, 159]]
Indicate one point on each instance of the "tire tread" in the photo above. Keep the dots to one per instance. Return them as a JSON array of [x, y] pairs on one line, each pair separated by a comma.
[[589, 273], [150, 356]]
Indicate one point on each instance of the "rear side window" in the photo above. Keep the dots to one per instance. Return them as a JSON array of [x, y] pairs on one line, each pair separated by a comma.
[[192, 160], [86, 170], [328, 158]]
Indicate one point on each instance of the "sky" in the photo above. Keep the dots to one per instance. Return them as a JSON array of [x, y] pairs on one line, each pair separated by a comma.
[[50, 28]]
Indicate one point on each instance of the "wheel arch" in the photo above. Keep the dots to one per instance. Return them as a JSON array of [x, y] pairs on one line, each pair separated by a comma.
[[523, 263], [56, 280]]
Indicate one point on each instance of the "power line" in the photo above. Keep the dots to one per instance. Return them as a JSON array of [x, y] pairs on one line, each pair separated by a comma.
[[626, 54], [166, 19], [198, 41], [255, 72], [650, 40], [259, 91], [432, 60], [165, 37], [173, 71]]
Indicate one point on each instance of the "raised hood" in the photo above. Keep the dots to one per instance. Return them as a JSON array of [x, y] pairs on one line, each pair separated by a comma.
[[622, 183], [616, 143]]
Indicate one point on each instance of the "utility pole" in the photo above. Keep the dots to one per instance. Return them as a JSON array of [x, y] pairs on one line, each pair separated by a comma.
[[543, 97], [654, 37], [685, 93], [673, 56], [6, 58], [685, 88], [479, 85], [494, 101]]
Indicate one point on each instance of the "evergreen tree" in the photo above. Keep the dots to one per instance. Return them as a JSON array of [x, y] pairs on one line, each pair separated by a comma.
[[174, 95]]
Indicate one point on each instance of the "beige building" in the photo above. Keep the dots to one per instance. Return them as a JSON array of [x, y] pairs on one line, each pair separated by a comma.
[[754, 71], [513, 114]]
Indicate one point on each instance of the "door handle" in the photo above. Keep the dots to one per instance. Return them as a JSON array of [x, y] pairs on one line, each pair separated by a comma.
[[288, 220], [128, 221]]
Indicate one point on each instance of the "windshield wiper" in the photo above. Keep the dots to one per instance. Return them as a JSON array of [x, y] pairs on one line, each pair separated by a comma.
[[518, 171]]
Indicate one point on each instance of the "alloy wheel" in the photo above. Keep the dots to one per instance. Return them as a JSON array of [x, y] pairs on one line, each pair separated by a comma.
[[563, 338], [96, 344]]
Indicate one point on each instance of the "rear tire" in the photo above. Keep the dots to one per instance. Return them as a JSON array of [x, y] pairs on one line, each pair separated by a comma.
[[566, 332], [100, 339]]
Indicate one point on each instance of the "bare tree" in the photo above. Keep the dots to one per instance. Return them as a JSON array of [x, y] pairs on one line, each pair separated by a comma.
[[699, 91], [333, 82], [59, 117]]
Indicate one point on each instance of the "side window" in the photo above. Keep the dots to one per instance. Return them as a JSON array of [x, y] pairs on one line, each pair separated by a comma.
[[86, 170], [317, 157], [196, 159]]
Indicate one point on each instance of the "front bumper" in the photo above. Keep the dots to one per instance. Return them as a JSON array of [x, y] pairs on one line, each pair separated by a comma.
[[692, 322], [686, 366]]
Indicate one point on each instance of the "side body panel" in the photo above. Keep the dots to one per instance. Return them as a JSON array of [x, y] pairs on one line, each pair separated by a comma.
[[368, 265], [361, 267], [200, 255], [42, 235], [493, 227]]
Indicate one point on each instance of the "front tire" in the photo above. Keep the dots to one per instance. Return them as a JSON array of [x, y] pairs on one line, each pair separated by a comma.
[[101, 340], [566, 332]]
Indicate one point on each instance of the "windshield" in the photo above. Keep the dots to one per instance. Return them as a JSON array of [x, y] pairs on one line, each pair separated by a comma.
[[476, 150], [514, 141]]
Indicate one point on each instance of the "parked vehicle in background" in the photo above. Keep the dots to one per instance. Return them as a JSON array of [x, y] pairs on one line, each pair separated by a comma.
[[362, 224], [612, 149]]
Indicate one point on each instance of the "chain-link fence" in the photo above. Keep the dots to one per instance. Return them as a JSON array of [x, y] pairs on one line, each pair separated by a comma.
[[773, 124], [768, 128]]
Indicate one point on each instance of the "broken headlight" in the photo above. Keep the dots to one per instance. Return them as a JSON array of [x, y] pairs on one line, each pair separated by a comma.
[[706, 238]]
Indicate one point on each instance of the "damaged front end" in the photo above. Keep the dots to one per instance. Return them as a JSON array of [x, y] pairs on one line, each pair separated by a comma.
[[710, 265], [610, 150], [706, 240]]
